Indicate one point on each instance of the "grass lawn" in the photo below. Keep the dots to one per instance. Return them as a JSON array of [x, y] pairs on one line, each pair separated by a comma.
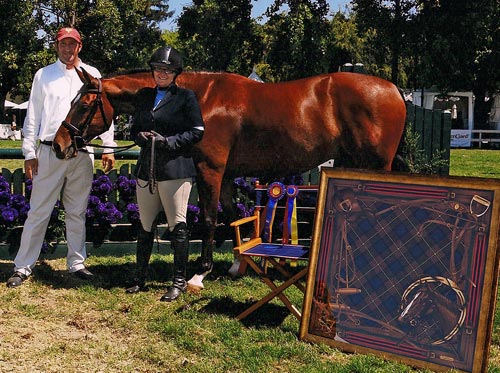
[[56, 323]]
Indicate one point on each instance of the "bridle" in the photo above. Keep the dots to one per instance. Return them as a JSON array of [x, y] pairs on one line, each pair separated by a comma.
[[460, 299], [77, 135]]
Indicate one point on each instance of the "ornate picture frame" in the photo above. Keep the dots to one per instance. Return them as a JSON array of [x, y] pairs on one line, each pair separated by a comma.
[[405, 267]]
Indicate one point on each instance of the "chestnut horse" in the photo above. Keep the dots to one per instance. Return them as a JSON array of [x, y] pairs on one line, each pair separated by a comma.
[[257, 129]]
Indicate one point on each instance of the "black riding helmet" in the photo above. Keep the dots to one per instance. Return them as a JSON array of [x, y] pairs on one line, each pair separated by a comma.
[[167, 57]]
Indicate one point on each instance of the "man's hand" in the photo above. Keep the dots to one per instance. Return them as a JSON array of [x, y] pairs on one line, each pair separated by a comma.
[[30, 168], [108, 162]]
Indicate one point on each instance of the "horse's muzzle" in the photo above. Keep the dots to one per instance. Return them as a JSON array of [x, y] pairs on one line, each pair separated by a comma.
[[70, 152]]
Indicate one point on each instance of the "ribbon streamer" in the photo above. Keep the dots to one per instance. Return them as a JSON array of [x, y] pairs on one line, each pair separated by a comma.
[[276, 191], [290, 229]]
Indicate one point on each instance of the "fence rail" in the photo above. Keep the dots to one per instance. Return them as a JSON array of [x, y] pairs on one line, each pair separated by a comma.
[[482, 137], [122, 155]]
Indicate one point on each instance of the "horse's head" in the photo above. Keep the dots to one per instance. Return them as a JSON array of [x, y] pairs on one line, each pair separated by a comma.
[[418, 307], [436, 311], [89, 116]]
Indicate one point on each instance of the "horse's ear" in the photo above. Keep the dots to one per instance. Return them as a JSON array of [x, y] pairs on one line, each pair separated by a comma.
[[80, 74], [85, 77]]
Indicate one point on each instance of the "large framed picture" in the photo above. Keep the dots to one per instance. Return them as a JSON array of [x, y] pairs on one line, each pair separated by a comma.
[[404, 267]]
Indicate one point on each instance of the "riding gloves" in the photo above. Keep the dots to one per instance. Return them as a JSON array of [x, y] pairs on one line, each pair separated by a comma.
[[161, 142], [142, 138]]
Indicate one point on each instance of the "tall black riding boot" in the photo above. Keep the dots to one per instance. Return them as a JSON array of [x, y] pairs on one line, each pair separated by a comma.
[[143, 254], [180, 244]]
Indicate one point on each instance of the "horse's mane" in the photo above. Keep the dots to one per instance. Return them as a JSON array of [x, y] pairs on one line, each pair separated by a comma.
[[137, 70]]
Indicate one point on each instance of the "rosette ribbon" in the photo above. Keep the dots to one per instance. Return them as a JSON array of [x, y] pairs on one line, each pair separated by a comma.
[[275, 192]]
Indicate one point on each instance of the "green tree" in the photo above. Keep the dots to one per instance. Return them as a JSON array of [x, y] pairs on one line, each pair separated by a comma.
[[297, 40], [347, 45], [386, 22], [219, 35], [456, 40], [20, 49], [457, 48], [116, 34]]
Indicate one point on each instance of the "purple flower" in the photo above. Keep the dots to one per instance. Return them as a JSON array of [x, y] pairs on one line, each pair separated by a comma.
[[13, 208], [103, 213], [126, 188], [105, 188], [102, 186], [94, 201], [4, 185], [244, 185], [28, 184], [133, 212], [133, 207], [193, 214], [112, 214], [9, 214]]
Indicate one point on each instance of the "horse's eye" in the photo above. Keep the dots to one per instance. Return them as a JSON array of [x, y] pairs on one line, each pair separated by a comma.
[[84, 107]]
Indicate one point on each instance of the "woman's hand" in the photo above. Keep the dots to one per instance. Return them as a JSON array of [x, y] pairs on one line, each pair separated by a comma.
[[143, 138], [160, 141]]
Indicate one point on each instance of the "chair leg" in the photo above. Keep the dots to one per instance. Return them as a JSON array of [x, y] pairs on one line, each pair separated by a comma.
[[277, 291]]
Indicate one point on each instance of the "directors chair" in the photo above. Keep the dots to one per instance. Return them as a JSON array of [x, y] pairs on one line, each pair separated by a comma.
[[261, 254]]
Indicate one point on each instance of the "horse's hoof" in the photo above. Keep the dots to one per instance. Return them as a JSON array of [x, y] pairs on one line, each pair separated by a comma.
[[196, 283]]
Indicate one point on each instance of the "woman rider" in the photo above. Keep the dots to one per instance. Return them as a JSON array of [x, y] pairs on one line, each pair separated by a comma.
[[166, 124]]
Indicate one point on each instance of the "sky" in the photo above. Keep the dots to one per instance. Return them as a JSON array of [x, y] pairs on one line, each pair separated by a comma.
[[259, 7]]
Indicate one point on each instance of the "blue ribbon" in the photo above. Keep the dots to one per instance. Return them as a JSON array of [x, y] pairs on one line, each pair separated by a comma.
[[290, 228]]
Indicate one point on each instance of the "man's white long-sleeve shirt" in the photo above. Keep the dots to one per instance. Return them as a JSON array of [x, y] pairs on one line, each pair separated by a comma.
[[53, 88]]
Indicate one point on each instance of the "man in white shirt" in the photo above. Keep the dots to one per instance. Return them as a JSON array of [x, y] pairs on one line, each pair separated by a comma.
[[54, 86]]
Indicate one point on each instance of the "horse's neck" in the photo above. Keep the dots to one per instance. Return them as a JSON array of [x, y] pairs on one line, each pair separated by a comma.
[[203, 82], [122, 91], [447, 310]]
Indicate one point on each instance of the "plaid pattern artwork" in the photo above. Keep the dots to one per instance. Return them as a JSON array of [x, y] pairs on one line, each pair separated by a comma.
[[400, 269]]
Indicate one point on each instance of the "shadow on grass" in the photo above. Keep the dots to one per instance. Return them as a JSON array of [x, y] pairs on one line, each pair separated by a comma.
[[160, 275], [106, 276], [269, 315]]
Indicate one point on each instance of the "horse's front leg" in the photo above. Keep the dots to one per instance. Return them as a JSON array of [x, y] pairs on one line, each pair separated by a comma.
[[209, 199]]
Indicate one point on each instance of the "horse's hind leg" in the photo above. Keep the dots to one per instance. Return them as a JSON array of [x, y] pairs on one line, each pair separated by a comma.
[[209, 191], [223, 230], [227, 192]]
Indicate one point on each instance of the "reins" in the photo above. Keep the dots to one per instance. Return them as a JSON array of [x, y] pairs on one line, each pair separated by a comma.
[[152, 183], [116, 149], [77, 134]]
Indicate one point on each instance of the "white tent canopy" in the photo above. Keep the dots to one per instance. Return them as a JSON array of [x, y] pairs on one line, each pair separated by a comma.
[[22, 106], [9, 104]]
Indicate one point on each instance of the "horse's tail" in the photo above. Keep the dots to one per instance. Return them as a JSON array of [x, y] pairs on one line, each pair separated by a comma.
[[399, 162]]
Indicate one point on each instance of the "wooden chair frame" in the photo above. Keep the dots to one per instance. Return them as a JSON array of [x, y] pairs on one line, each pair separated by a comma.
[[254, 251]]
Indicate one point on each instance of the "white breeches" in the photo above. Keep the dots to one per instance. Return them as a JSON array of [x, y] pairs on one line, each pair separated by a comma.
[[171, 195]]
